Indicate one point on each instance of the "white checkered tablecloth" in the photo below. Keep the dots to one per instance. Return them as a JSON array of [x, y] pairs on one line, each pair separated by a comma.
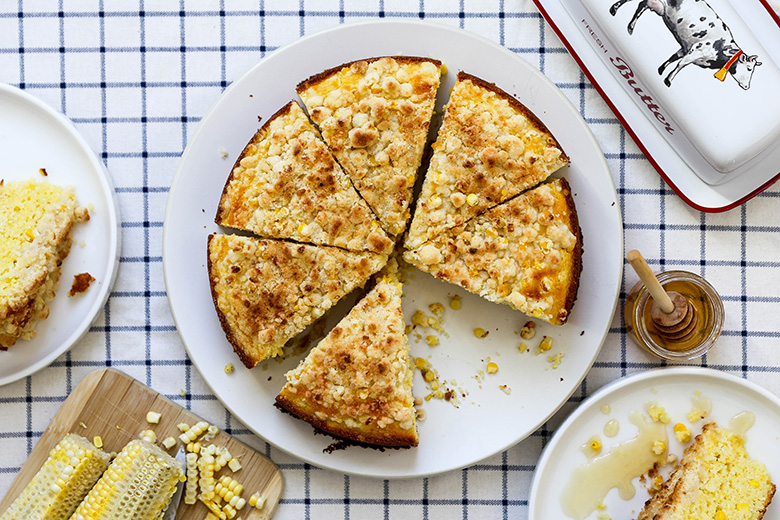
[[137, 76]]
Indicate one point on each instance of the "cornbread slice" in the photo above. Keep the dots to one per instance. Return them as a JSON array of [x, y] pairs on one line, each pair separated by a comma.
[[489, 148], [36, 219], [286, 185], [525, 253], [357, 382], [715, 479], [267, 291], [374, 114]]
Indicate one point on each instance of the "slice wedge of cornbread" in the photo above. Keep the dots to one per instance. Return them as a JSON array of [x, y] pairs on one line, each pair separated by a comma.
[[489, 148], [286, 185], [36, 219], [374, 114], [267, 291], [357, 382], [525, 253], [715, 479]]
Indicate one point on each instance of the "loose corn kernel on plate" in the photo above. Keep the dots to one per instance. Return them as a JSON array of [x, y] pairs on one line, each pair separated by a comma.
[[668, 396], [33, 136], [491, 406]]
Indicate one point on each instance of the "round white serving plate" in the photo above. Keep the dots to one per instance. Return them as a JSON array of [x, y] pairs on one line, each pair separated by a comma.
[[34, 136], [487, 420], [671, 388]]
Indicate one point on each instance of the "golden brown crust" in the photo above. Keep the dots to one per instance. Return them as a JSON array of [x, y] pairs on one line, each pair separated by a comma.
[[319, 77], [489, 148], [526, 253], [517, 105], [287, 185], [357, 382], [268, 291], [374, 114]]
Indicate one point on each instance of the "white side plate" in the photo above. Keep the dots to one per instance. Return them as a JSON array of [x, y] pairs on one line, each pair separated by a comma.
[[488, 420], [672, 389], [34, 136]]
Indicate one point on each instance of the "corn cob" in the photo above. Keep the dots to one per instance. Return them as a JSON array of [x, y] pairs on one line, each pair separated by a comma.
[[137, 486], [72, 468]]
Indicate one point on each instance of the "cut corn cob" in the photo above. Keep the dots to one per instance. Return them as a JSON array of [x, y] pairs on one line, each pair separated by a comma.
[[72, 468], [138, 485]]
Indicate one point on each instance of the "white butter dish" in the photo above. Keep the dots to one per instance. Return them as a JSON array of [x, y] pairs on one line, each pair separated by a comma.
[[698, 72], [711, 129]]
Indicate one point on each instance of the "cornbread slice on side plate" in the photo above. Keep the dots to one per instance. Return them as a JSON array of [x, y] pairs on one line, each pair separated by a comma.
[[267, 291], [715, 479], [357, 382], [286, 185], [489, 148], [36, 219], [525, 253], [374, 114]]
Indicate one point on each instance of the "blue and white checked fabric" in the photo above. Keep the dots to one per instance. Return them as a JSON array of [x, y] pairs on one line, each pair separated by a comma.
[[137, 76]]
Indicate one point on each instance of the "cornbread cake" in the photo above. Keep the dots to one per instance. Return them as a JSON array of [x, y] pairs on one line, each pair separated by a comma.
[[374, 114], [357, 382], [525, 253], [36, 219], [286, 185], [716, 479], [489, 148], [267, 291]]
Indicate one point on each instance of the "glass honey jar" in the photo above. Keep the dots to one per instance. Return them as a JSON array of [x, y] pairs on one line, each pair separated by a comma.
[[709, 314]]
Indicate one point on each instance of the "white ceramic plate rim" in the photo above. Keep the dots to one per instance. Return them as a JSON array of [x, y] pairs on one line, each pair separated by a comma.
[[654, 376], [210, 374], [112, 243]]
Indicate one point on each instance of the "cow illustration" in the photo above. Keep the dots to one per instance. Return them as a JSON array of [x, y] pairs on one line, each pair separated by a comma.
[[705, 40]]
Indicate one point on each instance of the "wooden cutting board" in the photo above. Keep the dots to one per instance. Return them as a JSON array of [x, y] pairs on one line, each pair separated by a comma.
[[113, 405]]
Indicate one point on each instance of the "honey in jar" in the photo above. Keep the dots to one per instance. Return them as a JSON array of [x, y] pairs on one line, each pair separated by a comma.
[[704, 300]]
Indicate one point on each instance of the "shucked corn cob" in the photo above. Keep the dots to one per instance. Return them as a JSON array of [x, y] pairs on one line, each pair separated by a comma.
[[72, 468], [138, 485]]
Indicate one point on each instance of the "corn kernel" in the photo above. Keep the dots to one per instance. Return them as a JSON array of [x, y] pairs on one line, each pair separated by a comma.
[[429, 376], [544, 345], [753, 483], [234, 465], [491, 368], [743, 507], [681, 432], [229, 368], [153, 417], [455, 302], [169, 442], [720, 515], [480, 332], [98, 442], [436, 308], [183, 427], [471, 199], [419, 363], [658, 447], [595, 445], [432, 341]]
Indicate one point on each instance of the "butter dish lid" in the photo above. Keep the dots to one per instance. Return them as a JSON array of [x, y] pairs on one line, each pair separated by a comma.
[[711, 129], [700, 72]]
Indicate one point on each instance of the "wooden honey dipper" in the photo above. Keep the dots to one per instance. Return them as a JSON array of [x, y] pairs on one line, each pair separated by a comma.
[[673, 315]]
